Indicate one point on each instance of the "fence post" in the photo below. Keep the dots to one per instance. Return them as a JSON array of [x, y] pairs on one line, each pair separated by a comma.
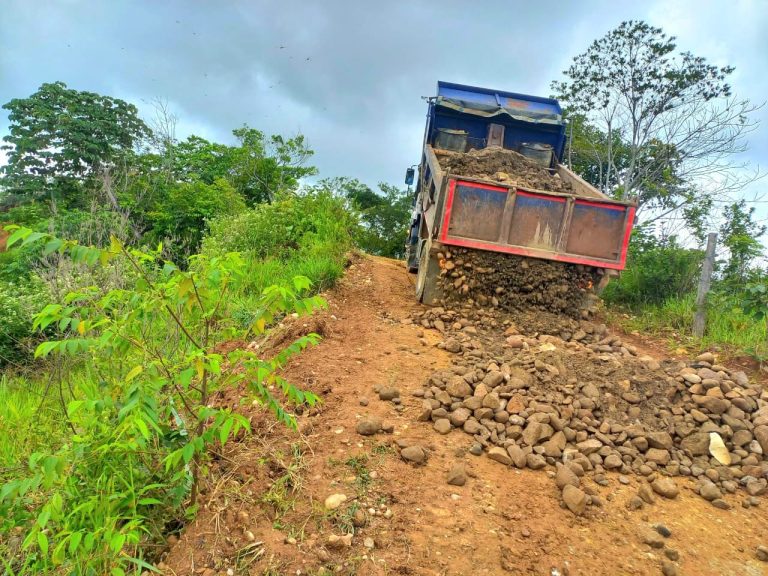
[[699, 320]]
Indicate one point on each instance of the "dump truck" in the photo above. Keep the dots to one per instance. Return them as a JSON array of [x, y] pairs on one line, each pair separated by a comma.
[[492, 179]]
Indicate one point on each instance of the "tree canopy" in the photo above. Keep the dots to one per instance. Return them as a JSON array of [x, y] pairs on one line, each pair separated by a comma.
[[653, 121], [59, 136]]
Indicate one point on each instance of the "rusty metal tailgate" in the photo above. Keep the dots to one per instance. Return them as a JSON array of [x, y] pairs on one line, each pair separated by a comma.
[[549, 225]]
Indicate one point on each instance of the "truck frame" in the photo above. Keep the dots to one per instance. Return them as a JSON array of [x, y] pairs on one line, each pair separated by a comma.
[[581, 227]]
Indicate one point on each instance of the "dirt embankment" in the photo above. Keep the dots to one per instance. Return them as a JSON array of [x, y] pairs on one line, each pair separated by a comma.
[[378, 482]]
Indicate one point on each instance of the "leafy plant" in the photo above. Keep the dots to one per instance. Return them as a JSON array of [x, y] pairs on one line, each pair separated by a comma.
[[143, 430], [755, 299]]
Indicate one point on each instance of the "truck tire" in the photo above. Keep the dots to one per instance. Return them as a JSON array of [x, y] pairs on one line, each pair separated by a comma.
[[412, 247], [427, 290]]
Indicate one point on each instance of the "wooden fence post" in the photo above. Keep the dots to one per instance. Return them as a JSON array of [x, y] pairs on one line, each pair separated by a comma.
[[699, 320]]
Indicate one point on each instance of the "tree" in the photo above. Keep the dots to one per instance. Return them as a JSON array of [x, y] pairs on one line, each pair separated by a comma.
[[591, 155], [259, 167], [740, 235], [61, 137], [666, 117], [197, 159], [183, 213], [383, 216], [262, 167]]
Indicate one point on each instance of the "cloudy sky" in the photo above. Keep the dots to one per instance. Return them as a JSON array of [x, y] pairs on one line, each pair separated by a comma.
[[347, 74]]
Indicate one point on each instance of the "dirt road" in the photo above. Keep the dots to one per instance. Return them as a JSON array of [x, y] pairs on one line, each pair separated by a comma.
[[265, 507]]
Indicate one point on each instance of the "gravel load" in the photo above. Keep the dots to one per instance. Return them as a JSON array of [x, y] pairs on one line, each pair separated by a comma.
[[503, 166]]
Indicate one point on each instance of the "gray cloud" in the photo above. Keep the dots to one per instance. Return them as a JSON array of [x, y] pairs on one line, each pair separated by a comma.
[[349, 75]]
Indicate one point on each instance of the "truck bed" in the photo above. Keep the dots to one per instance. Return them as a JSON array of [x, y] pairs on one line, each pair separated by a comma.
[[501, 212]]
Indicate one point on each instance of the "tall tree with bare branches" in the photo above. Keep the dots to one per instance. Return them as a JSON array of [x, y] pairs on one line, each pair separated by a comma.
[[671, 127]]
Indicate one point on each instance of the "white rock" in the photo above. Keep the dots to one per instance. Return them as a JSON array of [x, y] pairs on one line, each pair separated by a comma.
[[334, 501], [718, 450]]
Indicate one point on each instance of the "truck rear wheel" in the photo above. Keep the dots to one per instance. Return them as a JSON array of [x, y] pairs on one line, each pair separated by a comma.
[[421, 274], [427, 290]]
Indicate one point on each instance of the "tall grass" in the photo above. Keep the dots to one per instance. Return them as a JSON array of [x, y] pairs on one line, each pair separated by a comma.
[[727, 325], [305, 235], [29, 419]]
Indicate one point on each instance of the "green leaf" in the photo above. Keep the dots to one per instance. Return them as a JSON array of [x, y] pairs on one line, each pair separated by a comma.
[[142, 564], [74, 541], [117, 571], [135, 371], [43, 518], [59, 553], [117, 541], [148, 501], [42, 541], [45, 348], [225, 429], [88, 541], [185, 377], [19, 234], [52, 246], [34, 237], [141, 425], [187, 452]]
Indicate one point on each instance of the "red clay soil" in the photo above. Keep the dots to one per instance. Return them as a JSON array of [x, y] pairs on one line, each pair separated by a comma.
[[263, 508]]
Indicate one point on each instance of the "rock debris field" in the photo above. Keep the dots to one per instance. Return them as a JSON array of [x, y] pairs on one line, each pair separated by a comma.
[[571, 399]]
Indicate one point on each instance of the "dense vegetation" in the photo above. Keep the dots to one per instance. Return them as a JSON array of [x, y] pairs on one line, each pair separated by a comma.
[[128, 256]]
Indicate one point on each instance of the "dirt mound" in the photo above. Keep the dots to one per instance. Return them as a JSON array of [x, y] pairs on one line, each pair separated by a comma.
[[515, 283], [504, 166]]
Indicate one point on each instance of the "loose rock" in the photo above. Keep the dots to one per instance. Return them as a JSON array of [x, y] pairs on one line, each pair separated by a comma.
[[414, 454], [668, 568], [575, 499], [457, 475], [499, 455], [368, 426], [665, 487], [388, 393], [762, 553], [334, 501]]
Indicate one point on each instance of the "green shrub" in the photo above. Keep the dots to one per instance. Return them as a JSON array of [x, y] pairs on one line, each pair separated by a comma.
[[143, 419], [182, 216], [19, 302], [279, 230], [30, 214], [656, 271], [728, 325], [18, 265], [90, 227], [34, 413]]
